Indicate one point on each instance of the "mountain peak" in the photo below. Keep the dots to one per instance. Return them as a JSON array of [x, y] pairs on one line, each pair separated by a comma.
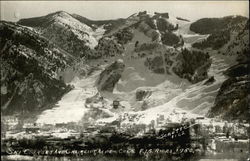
[[58, 13], [150, 14], [61, 14], [43, 21]]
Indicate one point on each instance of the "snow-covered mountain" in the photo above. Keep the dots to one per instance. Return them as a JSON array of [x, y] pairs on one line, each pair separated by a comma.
[[164, 67], [64, 30]]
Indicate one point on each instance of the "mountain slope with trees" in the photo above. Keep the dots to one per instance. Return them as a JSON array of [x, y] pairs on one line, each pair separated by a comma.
[[29, 69]]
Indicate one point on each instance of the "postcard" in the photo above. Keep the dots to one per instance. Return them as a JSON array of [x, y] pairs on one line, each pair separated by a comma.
[[125, 80]]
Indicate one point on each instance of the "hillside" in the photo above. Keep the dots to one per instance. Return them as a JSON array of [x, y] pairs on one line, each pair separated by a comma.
[[29, 69], [232, 101], [220, 30], [158, 27], [64, 30]]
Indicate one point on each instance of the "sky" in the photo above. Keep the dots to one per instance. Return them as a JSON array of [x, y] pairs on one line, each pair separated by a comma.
[[101, 10]]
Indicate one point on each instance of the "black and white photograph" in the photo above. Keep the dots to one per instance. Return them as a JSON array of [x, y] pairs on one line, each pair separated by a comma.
[[125, 80]]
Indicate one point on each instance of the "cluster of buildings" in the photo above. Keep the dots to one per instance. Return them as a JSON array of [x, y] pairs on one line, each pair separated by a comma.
[[219, 136], [14, 127]]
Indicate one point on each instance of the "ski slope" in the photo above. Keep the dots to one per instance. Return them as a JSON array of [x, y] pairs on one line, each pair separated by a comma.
[[71, 107]]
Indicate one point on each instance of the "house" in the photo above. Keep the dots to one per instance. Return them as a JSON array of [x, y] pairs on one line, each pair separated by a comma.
[[116, 104], [10, 121], [200, 118], [30, 130], [60, 125]]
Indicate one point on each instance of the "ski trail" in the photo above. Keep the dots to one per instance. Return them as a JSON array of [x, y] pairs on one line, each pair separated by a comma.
[[195, 100], [71, 107]]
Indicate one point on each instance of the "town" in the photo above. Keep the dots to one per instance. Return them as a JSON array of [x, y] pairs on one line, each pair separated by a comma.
[[204, 137]]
